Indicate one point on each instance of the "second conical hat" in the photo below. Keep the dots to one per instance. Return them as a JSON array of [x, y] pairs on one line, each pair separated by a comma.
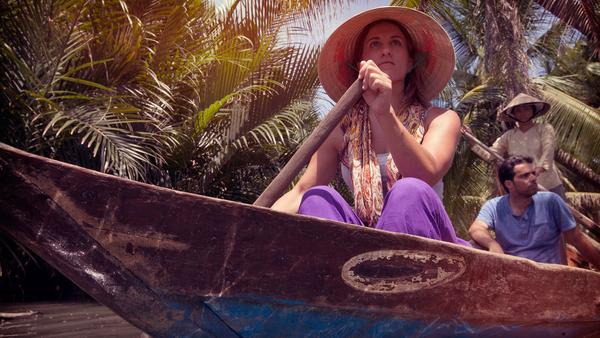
[[540, 107]]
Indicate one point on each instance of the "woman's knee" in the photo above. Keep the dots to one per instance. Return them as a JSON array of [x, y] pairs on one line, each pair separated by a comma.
[[326, 202], [320, 192], [320, 195], [410, 186]]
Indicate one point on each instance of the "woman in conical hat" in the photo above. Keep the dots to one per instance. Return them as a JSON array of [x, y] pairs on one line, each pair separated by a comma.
[[537, 140], [393, 146]]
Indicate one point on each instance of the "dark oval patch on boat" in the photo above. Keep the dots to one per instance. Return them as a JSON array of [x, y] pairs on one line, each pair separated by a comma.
[[394, 271], [129, 248]]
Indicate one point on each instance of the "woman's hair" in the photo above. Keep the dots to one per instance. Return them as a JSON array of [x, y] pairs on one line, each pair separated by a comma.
[[411, 92], [506, 171]]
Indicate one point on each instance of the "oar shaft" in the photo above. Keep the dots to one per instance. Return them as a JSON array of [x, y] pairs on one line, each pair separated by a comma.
[[308, 148]]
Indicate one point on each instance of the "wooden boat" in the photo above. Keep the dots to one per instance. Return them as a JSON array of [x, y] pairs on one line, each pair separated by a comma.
[[178, 264]]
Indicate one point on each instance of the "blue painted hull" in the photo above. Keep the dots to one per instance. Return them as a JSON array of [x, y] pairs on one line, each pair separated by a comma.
[[259, 317]]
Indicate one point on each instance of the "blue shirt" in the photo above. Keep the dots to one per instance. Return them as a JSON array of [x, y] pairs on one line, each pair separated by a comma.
[[536, 233]]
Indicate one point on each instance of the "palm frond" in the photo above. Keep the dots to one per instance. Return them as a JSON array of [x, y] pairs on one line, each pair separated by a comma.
[[582, 15], [594, 68], [294, 73], [105, 133], [466, 186], [289, 125], [292, 17], [577, 124], [58, 86], [545, 48], [573, 85]]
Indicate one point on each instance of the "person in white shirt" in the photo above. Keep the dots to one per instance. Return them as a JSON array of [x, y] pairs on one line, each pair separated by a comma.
[[537, 140], [393, 144]]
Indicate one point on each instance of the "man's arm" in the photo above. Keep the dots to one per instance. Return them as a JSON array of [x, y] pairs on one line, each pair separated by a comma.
[[480, 234], [584, 244]]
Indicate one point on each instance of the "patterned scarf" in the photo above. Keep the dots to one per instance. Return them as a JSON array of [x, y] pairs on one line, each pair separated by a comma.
[[359, 156]]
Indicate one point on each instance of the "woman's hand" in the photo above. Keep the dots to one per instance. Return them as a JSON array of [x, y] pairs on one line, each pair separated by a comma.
[[377, 87], [320, 171]]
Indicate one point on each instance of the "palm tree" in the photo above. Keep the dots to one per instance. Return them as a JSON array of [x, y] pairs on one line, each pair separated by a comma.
[[171, 92], [261, 106], [66, 96], [163, 91]]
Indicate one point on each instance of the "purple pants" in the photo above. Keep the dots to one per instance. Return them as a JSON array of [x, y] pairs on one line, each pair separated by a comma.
[[410, 207]]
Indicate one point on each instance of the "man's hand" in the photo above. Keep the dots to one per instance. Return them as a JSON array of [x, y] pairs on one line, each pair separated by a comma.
[[495, 247], [480, 234]]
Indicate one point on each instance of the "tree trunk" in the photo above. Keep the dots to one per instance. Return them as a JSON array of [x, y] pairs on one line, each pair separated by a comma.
[[506, 62], [574, 165], [585, 201]]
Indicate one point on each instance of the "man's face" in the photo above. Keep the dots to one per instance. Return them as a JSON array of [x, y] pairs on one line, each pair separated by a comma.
[[525, 181]]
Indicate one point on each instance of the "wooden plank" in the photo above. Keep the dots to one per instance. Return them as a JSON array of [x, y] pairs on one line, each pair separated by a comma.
[[95, 269], [65, 320]]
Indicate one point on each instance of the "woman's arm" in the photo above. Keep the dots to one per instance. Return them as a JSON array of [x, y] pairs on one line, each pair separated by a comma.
[[430, 160], [320, 171]]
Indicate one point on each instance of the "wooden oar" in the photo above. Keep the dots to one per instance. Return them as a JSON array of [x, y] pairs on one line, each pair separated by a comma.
[[308, 148], [479, 146]]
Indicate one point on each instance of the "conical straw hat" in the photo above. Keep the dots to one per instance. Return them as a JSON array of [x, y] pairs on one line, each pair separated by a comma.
[[431, 42], [540, 107]]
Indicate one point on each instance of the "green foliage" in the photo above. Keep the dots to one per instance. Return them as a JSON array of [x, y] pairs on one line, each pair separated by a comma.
[[58, 100], [173, 92], [149, 90]]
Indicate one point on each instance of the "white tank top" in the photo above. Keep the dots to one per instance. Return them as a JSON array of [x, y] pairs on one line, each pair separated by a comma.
[[382, 159]]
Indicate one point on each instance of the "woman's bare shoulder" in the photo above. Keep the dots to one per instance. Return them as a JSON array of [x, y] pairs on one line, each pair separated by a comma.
[[437, 111], [441, 114]]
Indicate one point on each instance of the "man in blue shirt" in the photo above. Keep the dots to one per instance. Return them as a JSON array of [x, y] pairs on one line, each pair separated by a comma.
[[528, 223]]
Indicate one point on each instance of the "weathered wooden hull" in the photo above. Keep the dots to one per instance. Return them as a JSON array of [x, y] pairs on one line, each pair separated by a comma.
[[178, 264]]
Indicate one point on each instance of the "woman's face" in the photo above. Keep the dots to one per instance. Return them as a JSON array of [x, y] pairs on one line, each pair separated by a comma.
[[387, 46], [523, 113]]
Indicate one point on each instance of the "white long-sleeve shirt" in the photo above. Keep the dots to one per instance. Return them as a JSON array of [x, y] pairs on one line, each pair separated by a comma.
[[539, 142]]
